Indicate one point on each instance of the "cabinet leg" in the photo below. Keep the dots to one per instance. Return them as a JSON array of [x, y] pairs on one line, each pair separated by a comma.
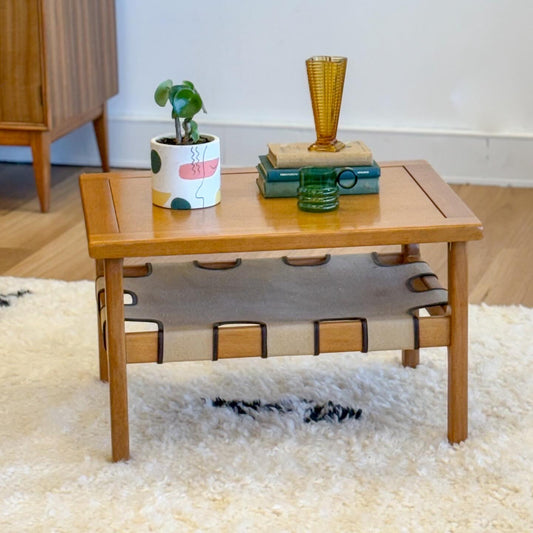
[[458, 349], [100, 130], [116, 350], [40, 143]]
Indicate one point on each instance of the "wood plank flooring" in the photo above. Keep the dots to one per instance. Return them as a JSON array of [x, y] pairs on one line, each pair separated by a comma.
[[53, 245]]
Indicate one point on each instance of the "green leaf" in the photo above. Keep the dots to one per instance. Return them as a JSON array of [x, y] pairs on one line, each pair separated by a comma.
[[174, 90], [162, 92], [186, 102], [194, 135], [190, 128]]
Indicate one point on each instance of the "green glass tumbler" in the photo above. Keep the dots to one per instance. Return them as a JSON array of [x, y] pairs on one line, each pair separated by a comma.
[[319, 188]]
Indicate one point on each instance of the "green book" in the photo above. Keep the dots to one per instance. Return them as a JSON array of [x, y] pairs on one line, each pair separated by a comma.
[[289, 189], [290, 174]]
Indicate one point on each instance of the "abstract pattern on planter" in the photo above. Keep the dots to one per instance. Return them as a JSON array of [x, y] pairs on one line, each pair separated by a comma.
[[187, 177]]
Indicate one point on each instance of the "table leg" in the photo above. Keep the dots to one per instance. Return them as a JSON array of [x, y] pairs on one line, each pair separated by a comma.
[[458, 349], [410, 253], [411, 358], [116, 350], [102, 352]]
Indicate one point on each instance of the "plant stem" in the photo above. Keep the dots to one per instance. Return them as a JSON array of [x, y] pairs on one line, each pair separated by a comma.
[[177, 124]]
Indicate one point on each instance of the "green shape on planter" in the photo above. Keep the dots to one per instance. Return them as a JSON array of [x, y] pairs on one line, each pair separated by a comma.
[[180, 203], [156, 162]]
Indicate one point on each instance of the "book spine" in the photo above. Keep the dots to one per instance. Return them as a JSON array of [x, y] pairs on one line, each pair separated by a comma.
[[293, 174], [281, 174], [289, 189]]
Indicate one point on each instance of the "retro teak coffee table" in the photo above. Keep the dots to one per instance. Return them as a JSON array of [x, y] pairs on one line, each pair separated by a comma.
[[291, 305]]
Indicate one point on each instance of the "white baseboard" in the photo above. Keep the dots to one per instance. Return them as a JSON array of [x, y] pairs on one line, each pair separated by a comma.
[[460, 157]]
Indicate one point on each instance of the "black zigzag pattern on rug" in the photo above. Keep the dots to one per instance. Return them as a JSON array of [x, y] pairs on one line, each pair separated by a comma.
[[5, 299], [314, 412]]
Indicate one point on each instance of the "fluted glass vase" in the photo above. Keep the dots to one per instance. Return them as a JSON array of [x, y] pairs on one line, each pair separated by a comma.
[[326, 83]]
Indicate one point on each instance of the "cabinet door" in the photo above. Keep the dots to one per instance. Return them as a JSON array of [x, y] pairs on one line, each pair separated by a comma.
[[81, 57], [21, 85]]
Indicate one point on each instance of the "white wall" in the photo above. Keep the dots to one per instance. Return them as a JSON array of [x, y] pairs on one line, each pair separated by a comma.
[[450, 82]]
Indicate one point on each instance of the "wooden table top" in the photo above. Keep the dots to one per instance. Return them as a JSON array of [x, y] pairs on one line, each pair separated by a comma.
[[414, 206]]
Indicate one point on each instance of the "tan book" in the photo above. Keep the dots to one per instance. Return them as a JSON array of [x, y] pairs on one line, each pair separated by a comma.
[[294, 155]]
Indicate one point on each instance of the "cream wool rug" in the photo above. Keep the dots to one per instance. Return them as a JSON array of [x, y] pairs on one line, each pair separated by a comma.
[[197, 467]]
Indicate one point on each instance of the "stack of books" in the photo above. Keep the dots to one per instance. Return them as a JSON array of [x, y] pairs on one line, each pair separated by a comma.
[[279, 169]]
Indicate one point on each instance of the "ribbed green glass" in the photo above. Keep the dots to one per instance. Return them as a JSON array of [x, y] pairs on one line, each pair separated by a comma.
[[318, 189]]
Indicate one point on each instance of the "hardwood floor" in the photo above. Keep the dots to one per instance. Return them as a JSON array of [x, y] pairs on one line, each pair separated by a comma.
[[53, 245]]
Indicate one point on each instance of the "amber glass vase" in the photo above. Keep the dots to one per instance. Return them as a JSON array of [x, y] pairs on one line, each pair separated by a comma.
[[326, 82]]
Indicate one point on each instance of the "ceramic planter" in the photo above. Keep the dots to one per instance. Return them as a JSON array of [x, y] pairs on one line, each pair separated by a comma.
[[185, 176]]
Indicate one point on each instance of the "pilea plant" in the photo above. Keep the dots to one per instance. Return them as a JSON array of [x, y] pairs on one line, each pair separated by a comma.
[[186, 102]]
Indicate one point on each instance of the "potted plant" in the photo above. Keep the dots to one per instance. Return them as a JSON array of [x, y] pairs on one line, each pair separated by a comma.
[[185, 164]]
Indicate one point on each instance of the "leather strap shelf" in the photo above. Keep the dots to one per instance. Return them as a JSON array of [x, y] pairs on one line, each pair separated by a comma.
[[270, 307]]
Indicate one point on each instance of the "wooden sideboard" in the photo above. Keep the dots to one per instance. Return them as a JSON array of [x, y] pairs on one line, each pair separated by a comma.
[[58, 67]]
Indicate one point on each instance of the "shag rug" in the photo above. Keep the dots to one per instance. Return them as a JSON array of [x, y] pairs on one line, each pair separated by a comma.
[[201, 464]]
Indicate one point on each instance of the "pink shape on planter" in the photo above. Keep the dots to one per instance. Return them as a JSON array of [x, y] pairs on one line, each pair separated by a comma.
[[200, 170]]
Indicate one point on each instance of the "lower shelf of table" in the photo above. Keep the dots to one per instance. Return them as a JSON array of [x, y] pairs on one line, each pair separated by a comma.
[[246, 341], [327, 286]]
